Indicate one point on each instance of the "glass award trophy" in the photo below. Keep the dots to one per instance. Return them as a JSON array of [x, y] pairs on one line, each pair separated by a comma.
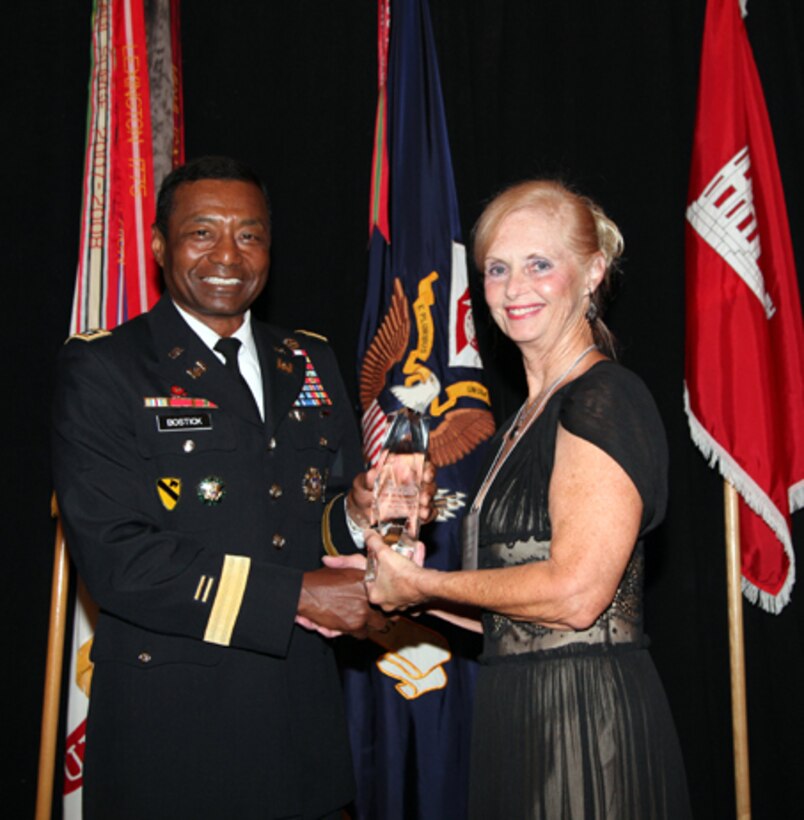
[[395, 507]]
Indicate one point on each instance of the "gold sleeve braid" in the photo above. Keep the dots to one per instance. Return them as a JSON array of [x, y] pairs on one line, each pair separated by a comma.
[[326, 528], [228, 600]]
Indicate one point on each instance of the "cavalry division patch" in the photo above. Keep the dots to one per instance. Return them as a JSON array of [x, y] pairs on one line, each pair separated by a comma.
[[169, 491]]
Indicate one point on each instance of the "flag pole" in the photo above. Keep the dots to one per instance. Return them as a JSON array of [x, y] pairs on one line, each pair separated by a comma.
[[53, 667], [739, 709]]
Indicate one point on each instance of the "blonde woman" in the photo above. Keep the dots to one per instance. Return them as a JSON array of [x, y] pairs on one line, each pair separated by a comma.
[[571, 720]]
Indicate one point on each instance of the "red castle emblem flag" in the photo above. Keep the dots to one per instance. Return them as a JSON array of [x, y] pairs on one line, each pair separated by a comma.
[[744, 392]]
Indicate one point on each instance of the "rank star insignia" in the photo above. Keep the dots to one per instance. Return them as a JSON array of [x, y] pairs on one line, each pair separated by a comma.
[[211, 490], [313, 484], [169, 491]]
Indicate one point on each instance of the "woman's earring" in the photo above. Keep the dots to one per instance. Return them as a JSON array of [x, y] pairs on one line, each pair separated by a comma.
[[591, 312]]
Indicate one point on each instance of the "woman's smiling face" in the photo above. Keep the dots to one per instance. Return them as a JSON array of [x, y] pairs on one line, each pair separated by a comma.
[[535, 286]]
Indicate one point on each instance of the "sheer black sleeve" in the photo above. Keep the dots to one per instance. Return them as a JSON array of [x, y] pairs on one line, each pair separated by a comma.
[[611, 407]]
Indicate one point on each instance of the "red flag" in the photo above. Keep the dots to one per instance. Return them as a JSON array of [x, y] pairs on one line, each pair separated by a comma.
[[378, 208], [744, 393], [133, 162]]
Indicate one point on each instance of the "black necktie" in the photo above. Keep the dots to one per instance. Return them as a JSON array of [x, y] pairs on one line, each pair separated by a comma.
[[229, 347]]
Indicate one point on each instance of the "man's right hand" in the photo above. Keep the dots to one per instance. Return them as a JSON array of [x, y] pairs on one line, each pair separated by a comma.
[[336, 600]]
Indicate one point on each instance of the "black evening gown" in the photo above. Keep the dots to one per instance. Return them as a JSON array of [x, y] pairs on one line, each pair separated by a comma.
[[574, 725]]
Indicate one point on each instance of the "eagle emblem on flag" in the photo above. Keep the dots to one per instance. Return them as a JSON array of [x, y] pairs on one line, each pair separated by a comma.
[[461, 429]]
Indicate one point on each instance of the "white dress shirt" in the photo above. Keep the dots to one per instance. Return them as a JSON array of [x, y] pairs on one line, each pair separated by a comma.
[[247, 359]]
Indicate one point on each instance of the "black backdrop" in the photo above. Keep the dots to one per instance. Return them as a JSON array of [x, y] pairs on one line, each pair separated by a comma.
[[602, 93]]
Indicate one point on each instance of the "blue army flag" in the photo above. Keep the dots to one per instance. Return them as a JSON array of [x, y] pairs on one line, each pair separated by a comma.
[[410, 700]]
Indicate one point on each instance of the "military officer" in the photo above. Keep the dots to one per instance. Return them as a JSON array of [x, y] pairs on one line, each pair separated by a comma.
[[197, 484]]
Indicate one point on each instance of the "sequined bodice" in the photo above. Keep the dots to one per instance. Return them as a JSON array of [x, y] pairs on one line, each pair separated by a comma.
[[620, 623]]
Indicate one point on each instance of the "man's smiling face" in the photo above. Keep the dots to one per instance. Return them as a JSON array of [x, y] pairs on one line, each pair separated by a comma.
[[216, 254]]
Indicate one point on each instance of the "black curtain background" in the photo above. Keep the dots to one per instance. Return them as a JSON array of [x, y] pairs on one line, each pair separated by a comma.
[[600, 93]]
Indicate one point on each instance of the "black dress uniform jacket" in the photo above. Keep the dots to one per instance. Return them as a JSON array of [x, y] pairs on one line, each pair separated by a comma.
[[191, 522]]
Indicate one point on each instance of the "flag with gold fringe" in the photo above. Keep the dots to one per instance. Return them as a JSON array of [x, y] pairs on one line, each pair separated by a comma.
[[744, 379]]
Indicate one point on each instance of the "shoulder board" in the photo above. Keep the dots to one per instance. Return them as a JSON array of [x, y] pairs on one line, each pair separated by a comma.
[[90, 335], [313, 335]]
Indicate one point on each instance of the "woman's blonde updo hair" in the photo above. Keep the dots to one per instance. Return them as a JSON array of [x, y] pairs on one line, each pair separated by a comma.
[[588, 231]]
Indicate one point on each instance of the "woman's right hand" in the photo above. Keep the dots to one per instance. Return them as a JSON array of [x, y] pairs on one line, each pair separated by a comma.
[[397, 580]]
